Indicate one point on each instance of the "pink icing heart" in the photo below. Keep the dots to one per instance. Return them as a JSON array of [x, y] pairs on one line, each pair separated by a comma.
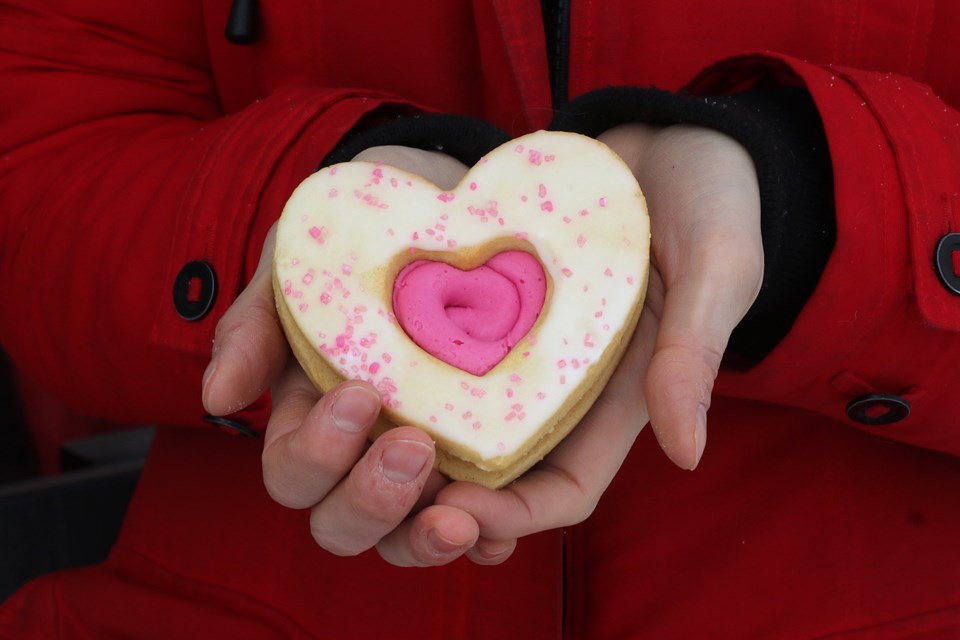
[[470, 319]]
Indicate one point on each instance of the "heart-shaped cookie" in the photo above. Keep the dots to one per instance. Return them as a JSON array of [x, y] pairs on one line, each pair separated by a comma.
[[354, 236]]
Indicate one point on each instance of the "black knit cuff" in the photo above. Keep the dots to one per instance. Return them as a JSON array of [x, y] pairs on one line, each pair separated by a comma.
[[461, 137], [783, 133]]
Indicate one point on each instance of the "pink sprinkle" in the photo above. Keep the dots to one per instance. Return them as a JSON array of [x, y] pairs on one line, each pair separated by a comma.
[[307, 278], [473, 186], [603, 202], [549, 158], [517, 407], [448, 407], [477, 425], [535, 157], [630, 280], [476, 392], [566, 271], [333, 171], [584, 213], [546, 206], [374, 368], [501, 446], [598, 314], [332, 193], [518, 148], [346, 269], [387, 358], [523, 198], [415, 236], [295, 261], [509, 393], [430, 232], [567, 219], [575, 363], [303, 307], [603, 302], [500, 221], [606, 327], [510, 416], [581, 241], [445, 197], [464, 386], [325, 298], [526, 354], [541, 395], [515, 378], [394, 183], [561, 364], [317, 233], [563, 379], [433, 418], [608, 272], [542, 191], [451, 243], [467, 415], [521, 235], [391, 232]]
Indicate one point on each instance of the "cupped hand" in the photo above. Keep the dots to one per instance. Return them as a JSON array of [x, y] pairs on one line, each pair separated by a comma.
[[706, 268], [316, 452]]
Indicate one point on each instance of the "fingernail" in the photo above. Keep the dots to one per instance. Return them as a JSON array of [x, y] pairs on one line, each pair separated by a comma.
[[354, 409], [700, 435], [403, 460], [442, 547]]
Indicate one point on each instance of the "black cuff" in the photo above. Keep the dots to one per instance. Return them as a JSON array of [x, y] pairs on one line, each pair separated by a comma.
[[783, 133], [461, 137]]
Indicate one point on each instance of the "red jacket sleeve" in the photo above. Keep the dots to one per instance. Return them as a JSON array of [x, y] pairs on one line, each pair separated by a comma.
[[117, 168], [881, 322]]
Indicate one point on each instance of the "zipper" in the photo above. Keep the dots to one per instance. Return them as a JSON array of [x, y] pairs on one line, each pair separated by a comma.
[[243, 24], [556, 26]]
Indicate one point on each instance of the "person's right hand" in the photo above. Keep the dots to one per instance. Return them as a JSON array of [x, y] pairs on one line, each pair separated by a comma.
[[316, 452]]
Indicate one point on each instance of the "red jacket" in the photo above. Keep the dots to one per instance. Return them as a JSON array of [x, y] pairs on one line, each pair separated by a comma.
[[135, 139]]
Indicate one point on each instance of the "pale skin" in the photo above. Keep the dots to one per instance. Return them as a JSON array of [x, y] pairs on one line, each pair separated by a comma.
[[707, 265]]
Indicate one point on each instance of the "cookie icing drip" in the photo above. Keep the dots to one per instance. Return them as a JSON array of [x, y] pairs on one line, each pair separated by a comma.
[[470, 319]]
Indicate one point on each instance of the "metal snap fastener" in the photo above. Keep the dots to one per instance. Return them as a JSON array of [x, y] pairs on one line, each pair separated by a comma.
[[231, 427], [946, 267], [878, 409], [195, 290]]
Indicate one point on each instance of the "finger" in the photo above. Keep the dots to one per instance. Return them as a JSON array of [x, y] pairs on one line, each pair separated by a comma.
[[436, 536], [311, 445], [565, 487], [491, 552], [700, 310], [249, 348], [378, 494]]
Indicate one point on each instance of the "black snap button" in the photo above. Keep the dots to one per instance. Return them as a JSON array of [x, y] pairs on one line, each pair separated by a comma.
[[195, 290], [946, 269], [231, 427], [878, 409]]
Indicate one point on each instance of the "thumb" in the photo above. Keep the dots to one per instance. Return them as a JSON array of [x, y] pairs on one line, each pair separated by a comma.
[[699, 314], [249, 349]]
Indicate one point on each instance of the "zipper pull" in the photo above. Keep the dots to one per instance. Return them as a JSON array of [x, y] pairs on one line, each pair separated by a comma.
[[243, 25]]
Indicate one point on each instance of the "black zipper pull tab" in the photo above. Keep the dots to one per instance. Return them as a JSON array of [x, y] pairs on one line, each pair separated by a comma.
[[243, 25]]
